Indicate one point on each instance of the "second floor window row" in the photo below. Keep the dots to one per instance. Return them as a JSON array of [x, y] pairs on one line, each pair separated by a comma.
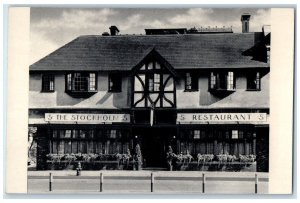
[[87, 82]]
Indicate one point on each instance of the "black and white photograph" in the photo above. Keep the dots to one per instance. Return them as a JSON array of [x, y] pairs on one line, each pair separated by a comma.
[[144, 100], [149, 100]]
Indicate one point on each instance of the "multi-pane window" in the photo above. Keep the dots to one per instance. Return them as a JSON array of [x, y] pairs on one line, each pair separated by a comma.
[[191, 82], [115, 82], [156, 82], [217, 141], [234, 134], [89, 141], [196, 134], [153, 82], [268, 54], [48, 83], [222, 80], [92, 81], [81, 82], [112, 134], [230, 81], [253, 81], [213, 81]]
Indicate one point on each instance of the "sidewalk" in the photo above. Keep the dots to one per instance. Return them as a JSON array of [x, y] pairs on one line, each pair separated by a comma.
[[148, 173]]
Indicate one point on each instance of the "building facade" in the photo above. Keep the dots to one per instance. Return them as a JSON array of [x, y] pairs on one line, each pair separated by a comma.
[[199, 91]]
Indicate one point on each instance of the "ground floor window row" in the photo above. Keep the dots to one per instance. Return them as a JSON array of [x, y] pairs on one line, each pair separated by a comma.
[[193, 141], [89, 134], [72, 146], [220, 134], [195, 134], [235, 148]]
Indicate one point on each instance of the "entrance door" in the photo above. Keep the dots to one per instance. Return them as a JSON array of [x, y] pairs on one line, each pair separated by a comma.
[[154, 145]]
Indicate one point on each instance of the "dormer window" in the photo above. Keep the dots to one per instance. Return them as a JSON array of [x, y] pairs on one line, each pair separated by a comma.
[[115, 82], [222, 81], [253, 81], [191, 82], [48, 83], [81, 82]]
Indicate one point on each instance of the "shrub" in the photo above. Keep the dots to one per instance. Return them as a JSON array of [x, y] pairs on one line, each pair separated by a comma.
[[185, 158]]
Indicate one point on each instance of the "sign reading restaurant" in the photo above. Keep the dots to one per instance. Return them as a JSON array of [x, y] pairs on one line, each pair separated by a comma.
[[87, 118], [221, 117]]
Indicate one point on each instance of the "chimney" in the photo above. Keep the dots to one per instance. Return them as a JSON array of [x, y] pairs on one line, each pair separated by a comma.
[[245, 22], [114, 30]]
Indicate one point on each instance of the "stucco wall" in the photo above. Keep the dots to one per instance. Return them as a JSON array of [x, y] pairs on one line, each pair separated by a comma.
[[102, 99], [108, 100]]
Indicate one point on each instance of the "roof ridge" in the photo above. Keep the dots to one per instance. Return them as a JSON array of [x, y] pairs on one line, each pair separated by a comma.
[[165, 35]]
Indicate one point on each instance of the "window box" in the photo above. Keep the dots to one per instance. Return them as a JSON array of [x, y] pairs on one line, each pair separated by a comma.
[[217, 166], [89, 161]]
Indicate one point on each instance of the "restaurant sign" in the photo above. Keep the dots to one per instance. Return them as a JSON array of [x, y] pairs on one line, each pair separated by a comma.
[[87, 118], [221, 117]]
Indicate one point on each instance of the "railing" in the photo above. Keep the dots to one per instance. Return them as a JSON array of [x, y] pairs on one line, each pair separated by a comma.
[[152, 178]]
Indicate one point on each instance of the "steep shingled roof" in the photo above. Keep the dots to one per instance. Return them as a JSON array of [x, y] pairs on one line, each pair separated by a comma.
[[181, 51]]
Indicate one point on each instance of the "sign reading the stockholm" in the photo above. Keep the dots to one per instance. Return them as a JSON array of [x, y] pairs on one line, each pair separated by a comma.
[[221, 117], [87, 118]]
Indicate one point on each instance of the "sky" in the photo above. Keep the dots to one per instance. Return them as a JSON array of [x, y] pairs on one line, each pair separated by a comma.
[[51, 28]]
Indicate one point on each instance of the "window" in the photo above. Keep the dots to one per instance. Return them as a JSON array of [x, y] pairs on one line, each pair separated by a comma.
[[112, 134], [68, 134], [234, 134], [153, 85], [115, 83], [191, 82], [253, 82], [268, 53], [216, 141], [154, 82], [89, 141], [222, 81], [81, 82], [48, 83], [213, 81], [196, 134], [230, 81]]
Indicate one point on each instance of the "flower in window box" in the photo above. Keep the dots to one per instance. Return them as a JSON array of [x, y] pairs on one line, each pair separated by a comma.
[[222, 157], [200, 158], [118, 156], [69, 157], [79, 157], [126, 157], [93, 157], [252, 157], [188, 158], [231, 158]]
